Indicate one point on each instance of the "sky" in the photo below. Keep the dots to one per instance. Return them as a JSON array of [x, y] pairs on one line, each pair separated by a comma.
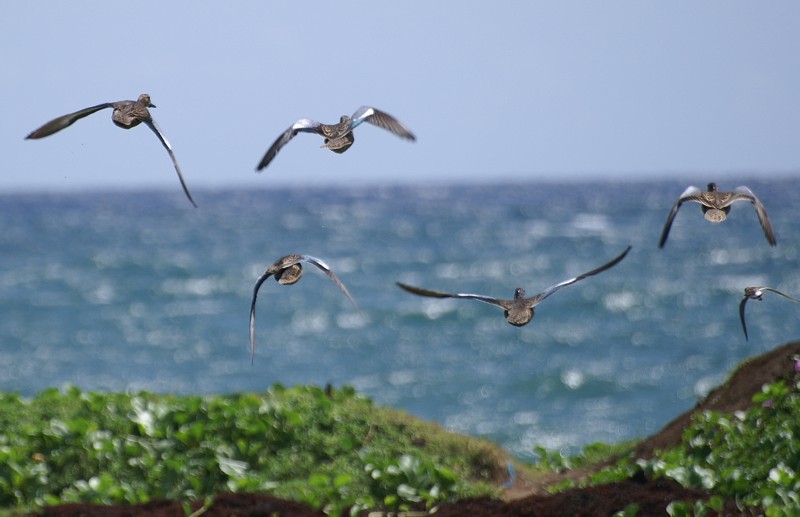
[[494, 91]]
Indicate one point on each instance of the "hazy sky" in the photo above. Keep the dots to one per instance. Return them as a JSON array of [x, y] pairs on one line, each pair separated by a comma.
[[493, 90]]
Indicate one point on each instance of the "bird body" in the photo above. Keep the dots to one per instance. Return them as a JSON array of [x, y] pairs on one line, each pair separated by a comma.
[[126, 114], [519, 310], [287, 271], [337, 137], [716, 205]]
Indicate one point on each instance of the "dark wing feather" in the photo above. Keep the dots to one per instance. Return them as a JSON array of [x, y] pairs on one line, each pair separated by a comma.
[[303, 125], [781, 294], [328, 271], [57, 124], [152, 125], [381, 119], [741, 315], [436, 294], [690, 194], [745, 194], [260, 281], [535, 300]]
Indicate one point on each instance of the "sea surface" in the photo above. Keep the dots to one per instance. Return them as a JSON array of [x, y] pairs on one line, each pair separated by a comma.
[[119, 291]]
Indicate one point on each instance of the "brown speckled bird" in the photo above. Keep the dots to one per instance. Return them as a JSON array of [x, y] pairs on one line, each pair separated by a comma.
[[287, 271], [338, 137], [126, 114], [518, 311], [716, 205], [755, 293]]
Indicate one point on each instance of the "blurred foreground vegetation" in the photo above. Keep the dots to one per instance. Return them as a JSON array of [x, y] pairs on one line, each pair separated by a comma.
[[331, 450], [751, 457], [335, 450]]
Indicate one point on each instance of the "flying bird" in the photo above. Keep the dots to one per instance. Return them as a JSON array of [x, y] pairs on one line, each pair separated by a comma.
[[755, 293], [519, 311], [716, 205], [338, 137], [287, 271], [126, 114]]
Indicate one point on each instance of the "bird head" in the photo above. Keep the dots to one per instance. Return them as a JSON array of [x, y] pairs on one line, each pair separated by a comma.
[[145, 99]]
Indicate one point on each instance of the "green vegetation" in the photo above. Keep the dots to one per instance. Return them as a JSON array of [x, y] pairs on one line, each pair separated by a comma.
[[752, 457], [330, 450], [592, 454], [336, 450]]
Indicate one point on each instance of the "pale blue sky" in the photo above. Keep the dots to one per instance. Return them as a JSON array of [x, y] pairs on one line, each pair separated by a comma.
[[494, 91]]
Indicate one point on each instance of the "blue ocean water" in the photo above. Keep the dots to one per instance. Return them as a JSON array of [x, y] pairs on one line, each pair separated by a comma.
[[139, 291]]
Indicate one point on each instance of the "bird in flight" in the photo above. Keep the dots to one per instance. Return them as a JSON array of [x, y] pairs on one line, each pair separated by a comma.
[[126, 114], [755, 293], [519, 310], [287, 271], [338, 137], [716, 205]]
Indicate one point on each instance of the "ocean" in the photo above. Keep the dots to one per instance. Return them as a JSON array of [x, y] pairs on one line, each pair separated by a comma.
[[129, 291]]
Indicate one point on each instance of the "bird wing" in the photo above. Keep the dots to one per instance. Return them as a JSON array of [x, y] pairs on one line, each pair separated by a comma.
[[745, 194], [535, 300], [57, 124], [690, 194], [381, 119], [741, 315], [780, 293], [436, 294], [152, 125], [303, 125], [261, 279], [328, 271]]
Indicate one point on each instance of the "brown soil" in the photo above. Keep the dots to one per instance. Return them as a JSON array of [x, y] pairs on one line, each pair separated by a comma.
[[528, 497]]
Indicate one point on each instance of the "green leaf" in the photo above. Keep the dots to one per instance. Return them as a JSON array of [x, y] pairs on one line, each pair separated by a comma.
[[630, 511], [231, 467]]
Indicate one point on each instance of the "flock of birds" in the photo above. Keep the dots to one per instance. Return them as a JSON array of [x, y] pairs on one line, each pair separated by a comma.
[[338, 138]]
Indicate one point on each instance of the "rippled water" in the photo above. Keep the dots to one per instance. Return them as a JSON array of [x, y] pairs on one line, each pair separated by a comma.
[[137, 290]]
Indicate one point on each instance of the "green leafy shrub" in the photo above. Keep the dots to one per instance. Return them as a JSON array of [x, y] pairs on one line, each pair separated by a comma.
[[332, 450], [403, 484], [751, 456]]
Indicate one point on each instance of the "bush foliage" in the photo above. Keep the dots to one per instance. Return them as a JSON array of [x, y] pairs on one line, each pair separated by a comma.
[[335, 450], [752, 457], [332, 450]]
